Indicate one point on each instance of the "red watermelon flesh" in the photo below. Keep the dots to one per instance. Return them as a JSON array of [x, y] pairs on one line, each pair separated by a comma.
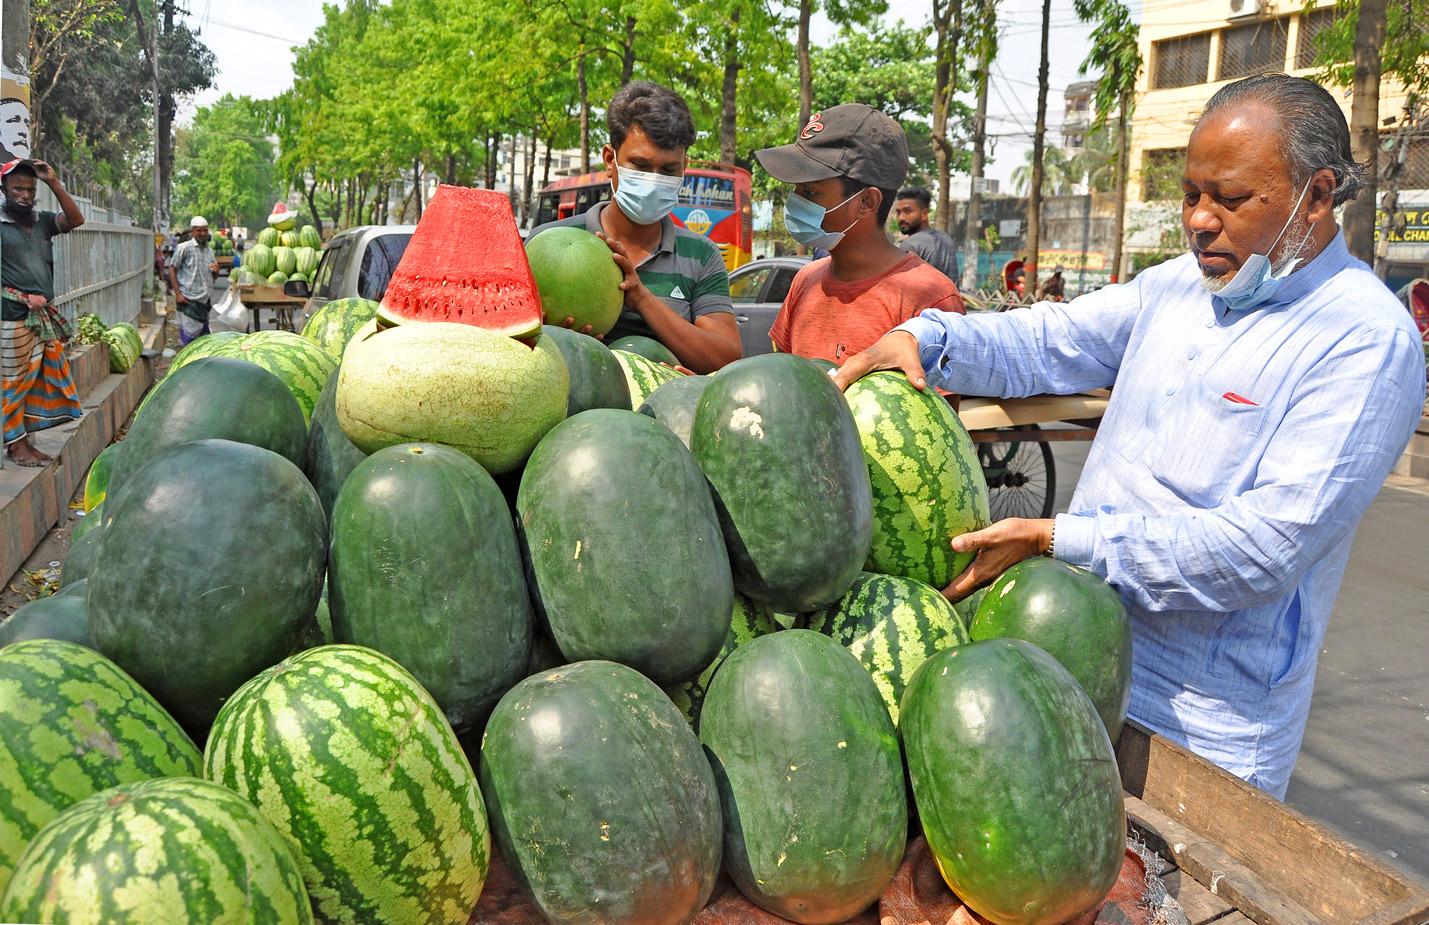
[[465, 264]]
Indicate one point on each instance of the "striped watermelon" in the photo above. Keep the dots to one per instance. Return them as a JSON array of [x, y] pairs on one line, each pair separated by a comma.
[[124, 347], [892, 625], [97, 482], [72, 724], [336, 322], [308, 237], [177, 849], [748, 621], [307, 260], [207, 345], [259, 259], [302, 365], [349, 757], [927, 484], [268, 237], [643, 376]]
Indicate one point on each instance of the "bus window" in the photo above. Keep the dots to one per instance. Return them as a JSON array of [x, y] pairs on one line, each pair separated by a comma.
[[589, 196], [548, 208]]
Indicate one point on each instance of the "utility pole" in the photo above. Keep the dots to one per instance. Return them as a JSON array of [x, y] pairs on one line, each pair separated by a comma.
[[972, 224], [1034, 197], [1409, 129], [150, 38]]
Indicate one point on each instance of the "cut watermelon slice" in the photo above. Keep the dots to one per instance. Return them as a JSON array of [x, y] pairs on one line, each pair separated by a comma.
[[465, 264], [280, 218]]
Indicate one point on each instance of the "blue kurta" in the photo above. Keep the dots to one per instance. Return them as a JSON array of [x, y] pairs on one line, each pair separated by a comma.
[[1221, 494]]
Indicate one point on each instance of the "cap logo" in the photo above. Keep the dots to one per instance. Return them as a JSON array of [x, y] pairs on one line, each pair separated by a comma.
[[816, 125]]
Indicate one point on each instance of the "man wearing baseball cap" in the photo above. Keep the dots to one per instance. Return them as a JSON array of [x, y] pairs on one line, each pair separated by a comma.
[[846, 166], [191, 278]]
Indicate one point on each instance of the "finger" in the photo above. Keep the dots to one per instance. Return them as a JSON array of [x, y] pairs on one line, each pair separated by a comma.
[[684, 369], [588, 329], [568, 322], [966, 583], [853, 370], [976, 540]]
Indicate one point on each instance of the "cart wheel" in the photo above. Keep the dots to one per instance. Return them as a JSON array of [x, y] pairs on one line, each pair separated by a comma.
[[1021, 477]]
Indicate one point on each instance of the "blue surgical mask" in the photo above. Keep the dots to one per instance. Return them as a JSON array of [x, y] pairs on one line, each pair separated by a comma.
[[646, 198], [805, 221], [1254, 283]]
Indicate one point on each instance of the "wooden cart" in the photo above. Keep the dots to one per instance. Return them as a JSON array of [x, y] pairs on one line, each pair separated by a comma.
[[260, 298]]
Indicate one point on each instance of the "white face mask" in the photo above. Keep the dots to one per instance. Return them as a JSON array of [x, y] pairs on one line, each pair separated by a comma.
[[646, 198], [1256, 280]]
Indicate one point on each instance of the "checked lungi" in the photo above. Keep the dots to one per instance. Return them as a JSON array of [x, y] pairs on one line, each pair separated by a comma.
[[39, 391]]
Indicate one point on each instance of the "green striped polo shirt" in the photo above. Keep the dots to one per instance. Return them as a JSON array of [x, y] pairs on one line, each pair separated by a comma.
[[686, 272]]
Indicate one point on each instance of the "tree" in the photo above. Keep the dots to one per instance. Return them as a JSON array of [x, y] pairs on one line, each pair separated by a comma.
[[1034, 198], [224, 163], [982, 42], [841, 13], [1116, 53], [60, 31], [1059, 170], [947, 32]]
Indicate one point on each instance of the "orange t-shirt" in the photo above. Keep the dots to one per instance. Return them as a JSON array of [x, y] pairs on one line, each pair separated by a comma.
[[827, 318]]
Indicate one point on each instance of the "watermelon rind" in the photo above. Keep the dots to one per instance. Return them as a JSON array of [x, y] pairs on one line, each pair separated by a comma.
[[72, 723], [647, 347], [352, 760], [96, 483]]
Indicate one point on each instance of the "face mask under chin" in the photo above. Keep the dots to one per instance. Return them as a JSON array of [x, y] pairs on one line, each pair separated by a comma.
[[1299, 239]]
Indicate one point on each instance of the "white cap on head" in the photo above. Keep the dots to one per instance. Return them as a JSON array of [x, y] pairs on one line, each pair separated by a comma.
[[198, 221]]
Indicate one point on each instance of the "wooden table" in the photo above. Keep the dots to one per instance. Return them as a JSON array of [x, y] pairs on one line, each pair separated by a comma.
[[258, 298]]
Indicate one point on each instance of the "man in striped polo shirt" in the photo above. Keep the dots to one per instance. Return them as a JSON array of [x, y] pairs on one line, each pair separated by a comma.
[[676, 286]]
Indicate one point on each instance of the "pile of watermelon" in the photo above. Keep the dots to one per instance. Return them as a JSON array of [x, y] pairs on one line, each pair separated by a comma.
[[281, 251], [124, 346], [352, 608]]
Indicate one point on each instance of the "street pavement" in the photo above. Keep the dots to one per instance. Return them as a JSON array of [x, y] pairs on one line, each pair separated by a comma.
[[1364, 766]]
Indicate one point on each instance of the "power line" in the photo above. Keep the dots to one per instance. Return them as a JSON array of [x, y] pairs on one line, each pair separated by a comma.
[[266, 35]]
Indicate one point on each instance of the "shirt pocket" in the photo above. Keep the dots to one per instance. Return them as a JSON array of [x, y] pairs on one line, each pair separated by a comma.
[[1203, 445]]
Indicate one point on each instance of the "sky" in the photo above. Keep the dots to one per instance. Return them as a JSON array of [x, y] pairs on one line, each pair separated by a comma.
[[252, 42]]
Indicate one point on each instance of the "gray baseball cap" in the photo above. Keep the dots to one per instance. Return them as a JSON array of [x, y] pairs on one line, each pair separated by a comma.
[[849, 140]]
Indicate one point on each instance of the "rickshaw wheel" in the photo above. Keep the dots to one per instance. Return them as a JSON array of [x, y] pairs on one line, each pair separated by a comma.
[[1021, 477]]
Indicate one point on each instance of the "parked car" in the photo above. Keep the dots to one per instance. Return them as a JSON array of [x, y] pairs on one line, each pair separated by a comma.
[[757, 290], [356, 262]]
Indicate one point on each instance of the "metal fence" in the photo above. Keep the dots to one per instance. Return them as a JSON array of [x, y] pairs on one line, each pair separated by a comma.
[[103, 265]]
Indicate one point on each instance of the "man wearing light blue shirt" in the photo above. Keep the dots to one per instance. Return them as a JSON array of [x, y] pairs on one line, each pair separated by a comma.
[[1265, 384]]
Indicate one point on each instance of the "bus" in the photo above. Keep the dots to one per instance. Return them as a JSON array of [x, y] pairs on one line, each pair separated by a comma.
[[714, 201]]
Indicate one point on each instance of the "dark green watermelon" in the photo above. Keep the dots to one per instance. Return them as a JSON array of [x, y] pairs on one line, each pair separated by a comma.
[[1076, 618], [213, 398], [776, 440], [1015, 781], [329, 456], [624, 546], [89, 521], [79, 561], [673, 404], [810, 777], [59, 616], [824, 366], [647, 347], [210, 571], [597, 381], [600, 799], [424, 568], [748, 621]]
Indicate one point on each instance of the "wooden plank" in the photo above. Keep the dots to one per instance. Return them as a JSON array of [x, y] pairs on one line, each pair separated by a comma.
[[986, 413], [1311, 868], [1032, 436], [1235, 918], [1199, 903]]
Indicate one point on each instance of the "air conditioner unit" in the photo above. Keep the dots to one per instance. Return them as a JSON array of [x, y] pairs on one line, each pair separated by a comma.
[[1240, 9]]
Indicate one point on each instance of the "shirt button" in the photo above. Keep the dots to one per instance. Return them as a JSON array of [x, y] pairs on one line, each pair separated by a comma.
[[1170, 390], [1190, 354]]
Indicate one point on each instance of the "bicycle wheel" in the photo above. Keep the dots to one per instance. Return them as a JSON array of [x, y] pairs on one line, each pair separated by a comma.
[[1021, 477]]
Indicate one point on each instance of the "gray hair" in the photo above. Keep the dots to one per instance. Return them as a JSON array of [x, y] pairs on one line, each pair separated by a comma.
[[1313, 127]]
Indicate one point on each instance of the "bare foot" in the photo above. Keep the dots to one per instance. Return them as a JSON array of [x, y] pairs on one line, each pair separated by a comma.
[[25, 455]]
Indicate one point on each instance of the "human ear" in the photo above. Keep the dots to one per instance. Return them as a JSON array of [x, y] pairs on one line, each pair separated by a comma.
[[1321, 195]]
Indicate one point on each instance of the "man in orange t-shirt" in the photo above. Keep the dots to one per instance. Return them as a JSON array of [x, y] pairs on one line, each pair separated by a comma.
[[846, 167]]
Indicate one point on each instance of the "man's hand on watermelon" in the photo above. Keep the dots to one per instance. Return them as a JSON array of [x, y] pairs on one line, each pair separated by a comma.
[[998, 547], [589, 329], [894, 350]]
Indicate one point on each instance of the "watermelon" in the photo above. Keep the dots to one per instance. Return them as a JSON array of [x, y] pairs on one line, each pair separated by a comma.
[[798, 736], [334, 324], [97, 482], [124, 346], [624, 546], [306, 260], [58, 616], [1015, 781], [799, 531], [73, 724], [601, 801], [83, 553], [1076, 618], [214, 397], [285, 259], [465, 263], [577, 278], [647, 347], [643, 376], [176, 849], [747, 621], [927, 484], [891, 625], [267, 237], [423, 563], [215, 569], [277, 278], [303, 366], [87, 522], [207, 345], [673, 404], [280, 218], [259, 260], [288, 239], [346, 754], [329, 456], [308, 236], [489, 396], [597, 379]]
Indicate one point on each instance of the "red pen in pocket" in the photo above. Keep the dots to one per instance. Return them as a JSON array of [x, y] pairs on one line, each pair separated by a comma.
[[1238, 399]]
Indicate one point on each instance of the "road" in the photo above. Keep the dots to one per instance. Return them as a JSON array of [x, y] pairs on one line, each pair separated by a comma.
[[1364, 766]]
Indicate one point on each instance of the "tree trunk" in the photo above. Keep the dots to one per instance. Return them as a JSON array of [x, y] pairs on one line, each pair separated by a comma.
[[336, 205], [806, 71], [165, 128], [417, 183], [511, 173], [1408, 130], [1123, 157], [627, 57], [528, 177], [451, 167], [729, 110], [493, 161], [972, 222], [584, 93], [310, 197], [546, 167], [1364, 127], [947, 26], [1034, 197]]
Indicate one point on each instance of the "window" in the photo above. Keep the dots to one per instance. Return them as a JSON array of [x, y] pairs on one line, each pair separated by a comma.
[[1254, 48], [1311, 25], [548, 208], [1415, 172], [782, 281], [588, 196], [1161, 171], [745, 287], [1181, 62], [378, 261], [325, 284]]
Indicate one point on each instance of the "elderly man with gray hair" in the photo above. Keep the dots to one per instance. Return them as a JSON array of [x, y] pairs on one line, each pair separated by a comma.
[[1266, 382]]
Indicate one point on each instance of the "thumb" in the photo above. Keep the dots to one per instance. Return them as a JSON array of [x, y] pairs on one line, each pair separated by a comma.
[[913, 369]]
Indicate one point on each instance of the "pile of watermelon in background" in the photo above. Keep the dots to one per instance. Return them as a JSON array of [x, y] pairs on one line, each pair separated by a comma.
[[281, 252], [432, 574]]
